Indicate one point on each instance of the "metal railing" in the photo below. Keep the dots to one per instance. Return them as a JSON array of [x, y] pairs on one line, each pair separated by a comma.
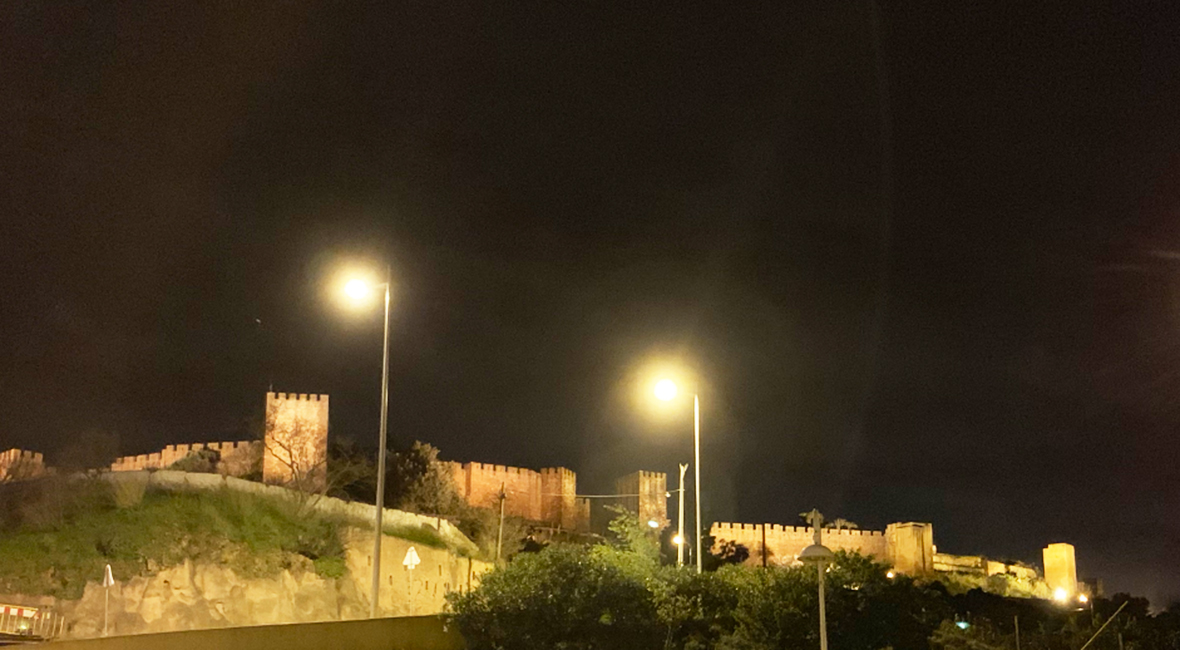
[[42, 625]]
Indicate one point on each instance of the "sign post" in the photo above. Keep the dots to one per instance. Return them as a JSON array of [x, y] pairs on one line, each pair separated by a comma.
[[410, 562], [107, 581]]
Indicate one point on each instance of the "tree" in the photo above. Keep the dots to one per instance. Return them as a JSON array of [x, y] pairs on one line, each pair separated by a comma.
[[418, 481], [311, 475], [293, 441], [563, 597]]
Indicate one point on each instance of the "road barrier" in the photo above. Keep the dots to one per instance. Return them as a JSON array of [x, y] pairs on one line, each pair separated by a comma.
[[402, 633]]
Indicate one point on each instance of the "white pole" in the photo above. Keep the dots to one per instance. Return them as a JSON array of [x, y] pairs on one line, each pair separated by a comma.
[[375, 591], [823, 620], [696, 438], [106, 609], [680, 520]]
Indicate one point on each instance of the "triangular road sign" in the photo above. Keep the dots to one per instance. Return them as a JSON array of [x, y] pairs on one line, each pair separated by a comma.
[[411, 560]]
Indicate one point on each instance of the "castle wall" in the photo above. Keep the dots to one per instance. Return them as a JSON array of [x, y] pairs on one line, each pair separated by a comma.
[[548, 496], [909, 547], [296, 444], [646, 494], [236, 458], [19, 464], [559, 487], [480, 483], [784, 543]]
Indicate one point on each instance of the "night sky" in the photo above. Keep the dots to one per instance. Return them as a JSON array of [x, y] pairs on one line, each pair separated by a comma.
[[927, 266]]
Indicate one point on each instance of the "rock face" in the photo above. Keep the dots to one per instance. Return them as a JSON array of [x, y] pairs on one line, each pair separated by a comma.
[[196, 596]]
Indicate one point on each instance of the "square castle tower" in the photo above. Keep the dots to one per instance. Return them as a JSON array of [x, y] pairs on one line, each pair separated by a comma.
[[296, 443]]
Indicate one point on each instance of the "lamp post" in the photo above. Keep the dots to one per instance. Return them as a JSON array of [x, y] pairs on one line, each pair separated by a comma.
[[680, 520], [666, 390], [820, 556], [359, 290]]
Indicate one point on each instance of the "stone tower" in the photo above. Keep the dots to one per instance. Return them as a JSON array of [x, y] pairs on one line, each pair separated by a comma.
[[296, 443], [645, 493], [909, 547], [1061, 570]]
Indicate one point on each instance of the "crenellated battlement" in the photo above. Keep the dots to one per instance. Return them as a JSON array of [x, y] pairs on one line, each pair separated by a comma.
[[547, 495], [298, 397], [18, 464], [236, 458]]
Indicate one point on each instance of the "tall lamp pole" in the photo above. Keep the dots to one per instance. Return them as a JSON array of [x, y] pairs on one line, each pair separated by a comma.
[[376, 586], [666, 390], [696, 443], [359, 290], [680, 520]]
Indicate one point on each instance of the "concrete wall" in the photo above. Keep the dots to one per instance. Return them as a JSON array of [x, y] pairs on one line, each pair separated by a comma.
[[409, 633], [646, 493], [1061, 570], [237, 458], [296, 440], [784, 543], [18, 464]]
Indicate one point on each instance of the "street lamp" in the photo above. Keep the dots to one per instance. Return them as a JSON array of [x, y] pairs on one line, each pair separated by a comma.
[[359, 290], [666, 390], [820, 556]]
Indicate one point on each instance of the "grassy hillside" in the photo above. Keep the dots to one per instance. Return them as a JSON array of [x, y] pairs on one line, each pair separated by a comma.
[[57, 535]]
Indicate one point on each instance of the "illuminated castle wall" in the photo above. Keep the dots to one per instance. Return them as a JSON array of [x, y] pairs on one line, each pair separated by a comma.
[[239, 458], [645, 493], [18, 464], [548, 496], [296, 445]]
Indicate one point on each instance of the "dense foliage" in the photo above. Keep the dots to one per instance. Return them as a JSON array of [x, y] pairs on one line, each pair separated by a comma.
[[619, 595]]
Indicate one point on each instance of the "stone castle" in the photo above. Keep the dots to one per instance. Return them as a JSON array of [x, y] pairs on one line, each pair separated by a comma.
[[293, 452]]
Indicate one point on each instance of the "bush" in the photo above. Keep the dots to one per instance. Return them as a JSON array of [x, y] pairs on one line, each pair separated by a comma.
[[203, 461], [562, 597]]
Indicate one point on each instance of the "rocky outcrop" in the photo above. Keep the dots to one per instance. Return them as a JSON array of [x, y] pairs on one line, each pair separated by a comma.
[[200, 596]]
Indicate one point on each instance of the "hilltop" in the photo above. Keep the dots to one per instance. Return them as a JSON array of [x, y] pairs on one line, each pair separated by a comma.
[[201, 550]]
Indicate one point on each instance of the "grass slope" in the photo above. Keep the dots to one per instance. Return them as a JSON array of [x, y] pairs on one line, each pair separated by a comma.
[[70, 532]]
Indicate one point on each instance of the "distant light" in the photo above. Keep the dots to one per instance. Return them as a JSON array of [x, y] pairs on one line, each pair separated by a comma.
[[963, 625], [1083, 599], [357, 289], [1060, 595], [653, 523], [891, 575], [678, 540], [665, 389]]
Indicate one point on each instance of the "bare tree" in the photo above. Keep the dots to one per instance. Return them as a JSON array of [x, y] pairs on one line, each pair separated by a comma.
[[304, 465]]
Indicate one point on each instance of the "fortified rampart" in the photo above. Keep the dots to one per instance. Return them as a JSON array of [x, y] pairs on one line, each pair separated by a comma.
[[18, 464], [548, 496], [778, 545], [234, 458], [982, 566]]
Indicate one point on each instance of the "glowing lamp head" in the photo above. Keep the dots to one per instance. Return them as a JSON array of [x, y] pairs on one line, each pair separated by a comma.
[[890, 574], [678, 540], [962, 625], [653, 523], [357, 289], [665, 390], [1060, 595], [1083, 599]]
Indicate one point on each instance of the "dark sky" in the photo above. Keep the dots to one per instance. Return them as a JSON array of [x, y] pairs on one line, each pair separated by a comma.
[[940, 284]]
